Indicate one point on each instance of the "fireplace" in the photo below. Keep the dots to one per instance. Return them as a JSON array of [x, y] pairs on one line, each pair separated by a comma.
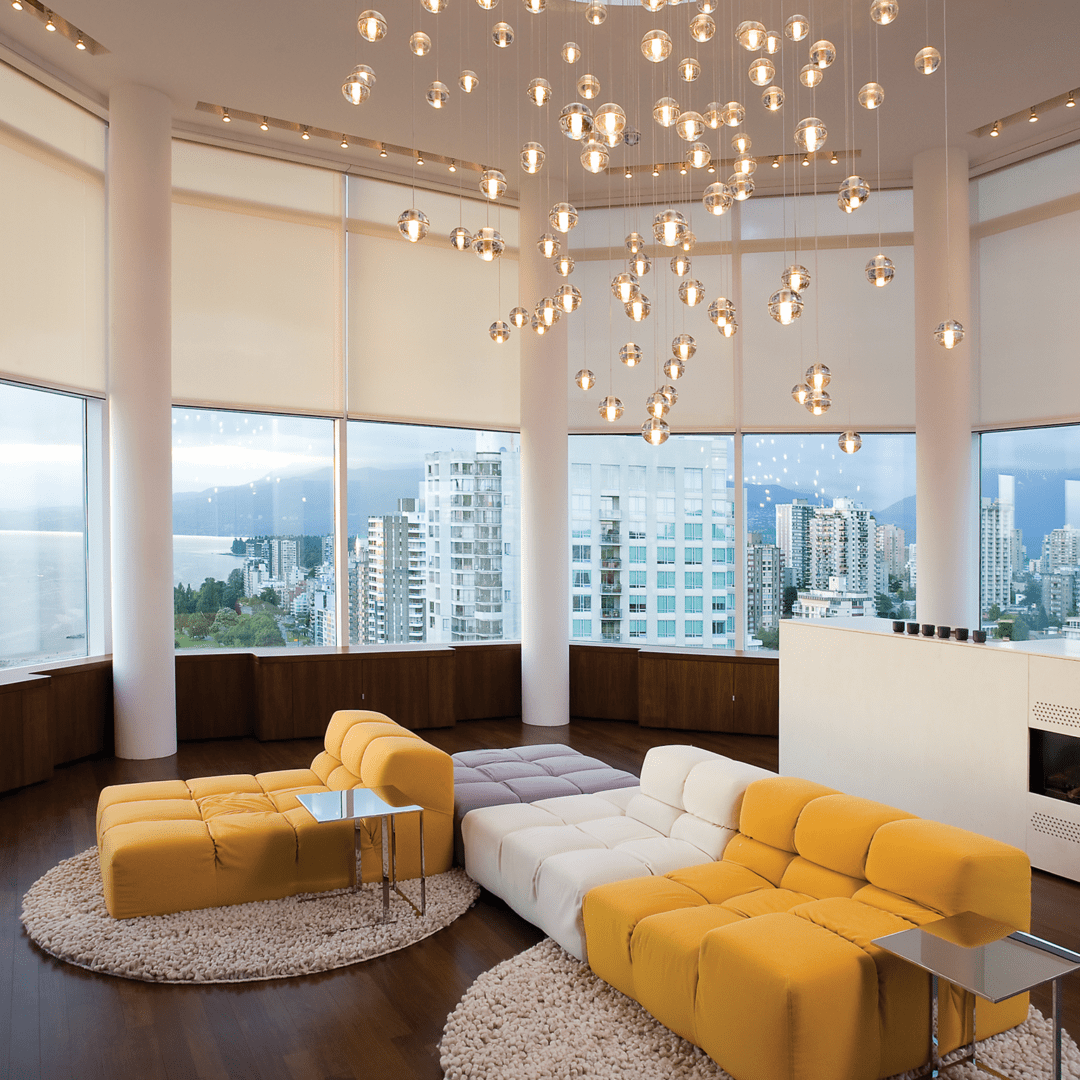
[[1054, 763]]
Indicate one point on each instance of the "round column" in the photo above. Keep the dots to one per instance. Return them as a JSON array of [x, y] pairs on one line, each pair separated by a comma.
[[947, 552], [140, 420], [545, 555]]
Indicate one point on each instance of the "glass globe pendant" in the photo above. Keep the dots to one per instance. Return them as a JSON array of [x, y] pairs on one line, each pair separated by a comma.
[[588, 87], [797, 27], [534, 7], [740, 186], [729, 328], [594, 156], [717, 198], [420, 44], [689, 69], [702, 27], [564, 265], [568, 297], [811, 76], [785, 306], [740, 142], [880, 270], [761, 71], [949, 334], [744, 165], [691, 292], [690, 126], [773, 42], [854, 191], [688, 241], [884, 12], [539, 91], [657, 405], [571, 52], [796, 277], [653, 5], [611, 140], [503, 35], [499, 331], [547, 311], [927, 60], [818, 402], [630, 354], [487, 5], [585, 379], [468, 81], [635, 242], [800, 392], [680, 264], [563, 217], [818, 376], [623, 286], [733, 114], [773, 98], [713, 115], [850, 442], [488, 244], [357, 87], [413, 225], [609, 119], [595, 14], [666, 112], [822, 53], [576, 121], [669, 226], [532, 157], [638, 307], [492, 183], [611, 409], [438, 94], [674, 368], [654, 431], [461, 239], [548, 246], [372, 25], [434, 6], [810, 134], [641, 264], [670, 393], [519, 316], [872, 96], [750, 35], [721, 312], [539, 329], [684, 346]]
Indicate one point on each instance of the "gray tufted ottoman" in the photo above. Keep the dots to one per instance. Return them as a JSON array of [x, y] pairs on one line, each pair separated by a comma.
[[523, 774]]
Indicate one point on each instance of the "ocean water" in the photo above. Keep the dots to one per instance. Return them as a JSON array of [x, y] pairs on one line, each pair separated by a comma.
[[195, 558], [43, 583]]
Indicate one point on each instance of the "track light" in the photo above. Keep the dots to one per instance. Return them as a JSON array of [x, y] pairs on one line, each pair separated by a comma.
[[80, 44], [344, 142], [834, 160], [225, 117], [806, 159], [995, 131], [451, 167], [628, 174], [265, 125], [1070, 101], [1033, 118], [656, 171], [419, 159], [776, 161], [382, 151], [17, 5], [305, 134], [51, 26]]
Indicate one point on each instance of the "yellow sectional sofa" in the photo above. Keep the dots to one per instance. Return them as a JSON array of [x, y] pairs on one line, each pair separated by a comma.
[[764, 957], [174, 845]]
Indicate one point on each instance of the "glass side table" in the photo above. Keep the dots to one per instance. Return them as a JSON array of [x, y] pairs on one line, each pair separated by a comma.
[[988, 959], [358, 804]]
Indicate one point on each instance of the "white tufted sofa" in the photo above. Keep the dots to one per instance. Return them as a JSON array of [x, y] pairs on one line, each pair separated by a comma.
[[542, 857]]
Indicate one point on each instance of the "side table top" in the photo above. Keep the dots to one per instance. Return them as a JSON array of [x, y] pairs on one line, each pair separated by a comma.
[[355, 803]]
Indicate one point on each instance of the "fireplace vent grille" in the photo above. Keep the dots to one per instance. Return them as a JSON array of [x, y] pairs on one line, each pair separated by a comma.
[[1064, 716], [1056, 827]]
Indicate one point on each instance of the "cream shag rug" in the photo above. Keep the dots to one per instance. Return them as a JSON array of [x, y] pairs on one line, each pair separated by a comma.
[[64, 913], [544, 1014]]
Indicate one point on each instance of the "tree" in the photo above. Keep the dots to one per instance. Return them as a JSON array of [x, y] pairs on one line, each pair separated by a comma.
[[770, 639], [234, 589], [239, 547], [994, 613], [883, 603], [269, 596], [791, 594], [183, 600], [209, 596]]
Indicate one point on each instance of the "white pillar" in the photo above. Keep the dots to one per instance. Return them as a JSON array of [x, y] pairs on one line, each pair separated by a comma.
[[545, 556], [140, 420], [946, 482]]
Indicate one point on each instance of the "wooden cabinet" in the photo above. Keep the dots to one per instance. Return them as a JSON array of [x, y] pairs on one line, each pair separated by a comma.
[[24, 731], [215, 694], [487, 680], [603, 683]]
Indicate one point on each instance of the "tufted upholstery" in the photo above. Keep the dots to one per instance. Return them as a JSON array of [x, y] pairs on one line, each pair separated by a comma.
[[764, 958], [174, 845]]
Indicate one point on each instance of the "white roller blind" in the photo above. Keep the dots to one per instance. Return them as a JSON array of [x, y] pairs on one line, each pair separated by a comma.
[[419, 314], [258, 276], [52, 220]]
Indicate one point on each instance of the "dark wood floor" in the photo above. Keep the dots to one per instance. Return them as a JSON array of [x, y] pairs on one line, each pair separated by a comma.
[[380, 1019]]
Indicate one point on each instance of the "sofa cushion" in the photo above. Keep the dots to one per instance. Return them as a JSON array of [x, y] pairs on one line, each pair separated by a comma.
[[544, 750], [569, 763], [590, 781], [509, 770], [654, 813], [665, 769], [577, 808], [710, 839], [531, 788], [835, 831], [765, 902], [720, 881], [771, 809], [802, 875], [523, 852], [767, 861], [714, 790], [907, 909]]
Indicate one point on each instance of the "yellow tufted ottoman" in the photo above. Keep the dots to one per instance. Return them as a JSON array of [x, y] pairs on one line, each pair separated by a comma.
[[174, 845]]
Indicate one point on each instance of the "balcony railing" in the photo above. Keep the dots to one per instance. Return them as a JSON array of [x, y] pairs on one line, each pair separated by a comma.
[[611, 613], [610, 536], [613, 589], [611, 635], [611, 564]]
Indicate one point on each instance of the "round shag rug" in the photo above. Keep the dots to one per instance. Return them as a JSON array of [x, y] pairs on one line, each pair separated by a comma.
[[64, 913], [543, 1013]]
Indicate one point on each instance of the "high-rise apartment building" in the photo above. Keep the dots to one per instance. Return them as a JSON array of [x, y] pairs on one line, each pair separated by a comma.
[[842, 545], [1061, 548], [473, 559], [998, 544], [793, 539], [395, 576], [764, 585], [891, 550], [652, 542], [284, 563], [1059, 593]]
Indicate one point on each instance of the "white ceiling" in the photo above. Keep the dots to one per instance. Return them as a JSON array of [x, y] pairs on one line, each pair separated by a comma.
[[287, 59]]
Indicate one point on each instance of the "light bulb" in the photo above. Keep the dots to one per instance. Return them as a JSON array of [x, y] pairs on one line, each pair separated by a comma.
[[880, 270], [950, 333], [468, 81], [656, 46], [818, 376], [850, 442], [655, 431], [461, 240], [772, 97], [568, 297], [689, 69], [503, 35], [356, 88], [611, 408], [684, 346], [305, 135], [548, 246], [532, 157], [995, 131], [585, 379], [492, 183], [702, 27], [438, 94], [773, 42], [800, 392], [371, 25], [623, 286], [811, 75], [588, 87], [761, 71], [717, 198], [796, 277], [563, 217], [666, 112], [419, 44], [571, 52], [344, 142], [884, 12], [631, 354], [797, 27], [499, 332], [927, 60], [822, 53], [740, 142], [691, 292], [413, 225], [519, 316]]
